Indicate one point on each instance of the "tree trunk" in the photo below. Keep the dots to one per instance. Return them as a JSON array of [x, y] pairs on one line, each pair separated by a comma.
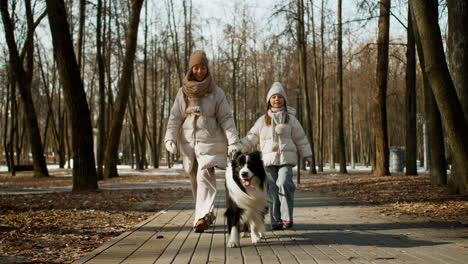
[[81, 23], [434, 143], [458, 61], [322, 86], [24, 79], [331, 144], [458, 49], [142, 162], [411, 142], [132, 112], [188, 42], [339, 96], [102, 93], [302, 60], [380, 101], [442, 86], [84, 169], [175, 39], [432, 128], [318, 85], [123, 87]]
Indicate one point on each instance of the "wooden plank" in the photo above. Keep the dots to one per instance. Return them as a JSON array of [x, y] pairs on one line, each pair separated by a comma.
[[289, 238], [150, 251], [280, 249], [205, 245], [173, 248], [218, 243], [250, 253], [266, 253], [120, 247]]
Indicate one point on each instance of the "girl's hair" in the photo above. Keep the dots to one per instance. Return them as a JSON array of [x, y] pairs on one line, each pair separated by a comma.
[[268, 118]]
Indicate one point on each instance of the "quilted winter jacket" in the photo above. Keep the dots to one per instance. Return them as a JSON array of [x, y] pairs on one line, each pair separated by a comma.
[[284, 150], [203, 137]]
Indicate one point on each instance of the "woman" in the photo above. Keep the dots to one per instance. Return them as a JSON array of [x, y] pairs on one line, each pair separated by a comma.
[[200, 121], [280, 136]]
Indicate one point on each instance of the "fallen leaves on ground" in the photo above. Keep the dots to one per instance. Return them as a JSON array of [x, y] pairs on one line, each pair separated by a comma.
[[62, 177], [401, 194], [61, 227]]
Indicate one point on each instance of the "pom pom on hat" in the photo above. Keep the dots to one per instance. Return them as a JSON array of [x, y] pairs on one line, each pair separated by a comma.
[[276, 88]]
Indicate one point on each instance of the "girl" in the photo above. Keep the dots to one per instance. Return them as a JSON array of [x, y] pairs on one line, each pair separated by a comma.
[[201, 121], [280, 136]]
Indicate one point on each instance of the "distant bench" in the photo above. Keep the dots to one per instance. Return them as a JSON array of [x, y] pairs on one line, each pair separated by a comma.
[[24, 167]]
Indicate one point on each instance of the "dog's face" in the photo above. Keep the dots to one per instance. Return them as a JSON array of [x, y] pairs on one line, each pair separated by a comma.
[[247, 167]]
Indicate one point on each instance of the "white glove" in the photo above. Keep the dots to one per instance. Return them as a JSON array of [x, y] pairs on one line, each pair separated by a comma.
[[233, 148], [171, 146]]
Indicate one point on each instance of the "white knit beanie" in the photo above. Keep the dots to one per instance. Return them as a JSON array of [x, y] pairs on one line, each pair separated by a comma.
[[276, 88]]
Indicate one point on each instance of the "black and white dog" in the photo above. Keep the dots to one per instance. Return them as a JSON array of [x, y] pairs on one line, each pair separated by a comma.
[[246, 203]]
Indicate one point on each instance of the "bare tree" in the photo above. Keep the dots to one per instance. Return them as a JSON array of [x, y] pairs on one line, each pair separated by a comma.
[[432, 119], [458, 49], [142, 162], [339, 96], [302, 63], [84, 170], [24, 77], [123, 87], [188, 38], [175, 38], [81, 29], [458, 62], [410, 156], [380, 101], [102, 92], [441, 83]]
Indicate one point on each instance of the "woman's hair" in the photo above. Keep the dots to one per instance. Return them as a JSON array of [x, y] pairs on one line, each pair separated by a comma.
[[268, 118]]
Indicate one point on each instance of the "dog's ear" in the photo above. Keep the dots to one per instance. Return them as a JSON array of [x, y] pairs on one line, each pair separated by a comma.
[[256, 155], [236, 155]]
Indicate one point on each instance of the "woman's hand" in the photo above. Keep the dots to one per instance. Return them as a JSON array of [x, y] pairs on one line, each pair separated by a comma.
[[171, 146], [233, 148]]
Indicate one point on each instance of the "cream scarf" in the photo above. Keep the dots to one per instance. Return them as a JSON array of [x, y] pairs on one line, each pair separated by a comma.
[[194, 90], [278, 116]]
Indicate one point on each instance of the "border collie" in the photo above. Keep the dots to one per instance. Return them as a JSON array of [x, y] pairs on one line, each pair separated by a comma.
[[246, 203]]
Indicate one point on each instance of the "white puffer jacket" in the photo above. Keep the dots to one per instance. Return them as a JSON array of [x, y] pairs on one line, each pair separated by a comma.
[[284, 150], [203, 137]]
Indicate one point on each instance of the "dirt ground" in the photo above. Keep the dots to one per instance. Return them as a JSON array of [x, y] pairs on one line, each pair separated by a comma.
[[63, 226]]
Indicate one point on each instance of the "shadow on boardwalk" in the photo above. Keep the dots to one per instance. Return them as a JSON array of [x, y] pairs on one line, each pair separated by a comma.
[[326, 230]]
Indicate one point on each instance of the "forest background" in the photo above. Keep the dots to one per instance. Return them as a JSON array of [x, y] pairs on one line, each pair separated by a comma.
[[104, 95]]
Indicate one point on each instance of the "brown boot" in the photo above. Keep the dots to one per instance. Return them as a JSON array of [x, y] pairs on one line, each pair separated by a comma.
[[200, 226]]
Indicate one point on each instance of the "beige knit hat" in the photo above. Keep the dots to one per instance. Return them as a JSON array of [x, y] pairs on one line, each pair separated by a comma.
[[198, 57], [276, 88]]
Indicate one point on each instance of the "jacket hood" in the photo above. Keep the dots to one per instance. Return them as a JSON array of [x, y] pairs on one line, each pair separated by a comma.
[[291, 110]]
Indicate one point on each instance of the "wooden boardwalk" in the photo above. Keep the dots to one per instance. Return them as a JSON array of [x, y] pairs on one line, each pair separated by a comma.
[[326, 230]]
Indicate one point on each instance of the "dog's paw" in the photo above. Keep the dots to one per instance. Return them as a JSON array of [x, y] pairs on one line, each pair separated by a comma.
[[261, 235], [255, 241], [233, 244], [256, 237]]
